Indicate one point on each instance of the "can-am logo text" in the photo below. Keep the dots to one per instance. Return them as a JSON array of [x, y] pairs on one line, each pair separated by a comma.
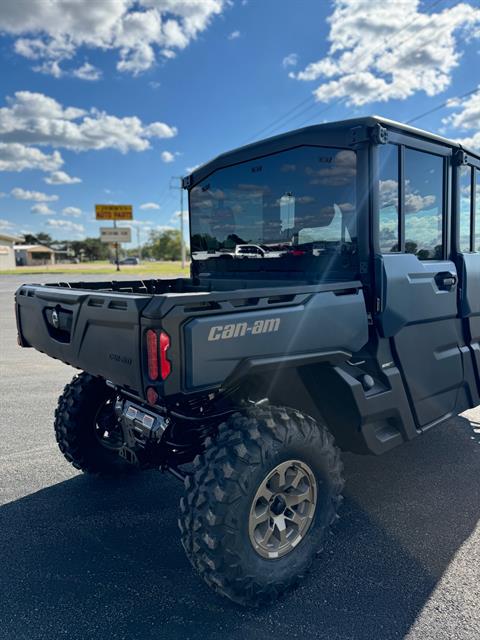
[[240, 329]]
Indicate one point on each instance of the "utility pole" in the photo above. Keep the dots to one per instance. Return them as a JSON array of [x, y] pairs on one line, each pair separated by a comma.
[[116, 248], [182, 239]]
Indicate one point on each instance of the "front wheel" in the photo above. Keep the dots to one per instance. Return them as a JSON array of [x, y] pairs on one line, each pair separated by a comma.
[[86, 428], [260, 502]]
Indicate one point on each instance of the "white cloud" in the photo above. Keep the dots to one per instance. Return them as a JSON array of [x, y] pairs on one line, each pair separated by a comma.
[[466, 118], [175, 219], [49, 68], [135, 223], [167, 156], [368, 62], [5, 224], [290, 61], [60, 177], [42, 209], [160, 227], [471, 142], [414, 202], [36, 196], [469, 115], [160, 130], [87, 72], [33, 118], [149, 205], [51, 32], [65, 225], [75, 212], [18, 157], [234, 35]]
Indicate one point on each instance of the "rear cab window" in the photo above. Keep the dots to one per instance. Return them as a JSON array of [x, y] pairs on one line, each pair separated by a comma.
[[299, 202]]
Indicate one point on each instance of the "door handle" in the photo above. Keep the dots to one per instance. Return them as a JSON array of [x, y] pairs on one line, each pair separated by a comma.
[[446, 280]]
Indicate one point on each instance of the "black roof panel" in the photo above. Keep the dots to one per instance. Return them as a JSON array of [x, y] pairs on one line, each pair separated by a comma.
[[307, 135]]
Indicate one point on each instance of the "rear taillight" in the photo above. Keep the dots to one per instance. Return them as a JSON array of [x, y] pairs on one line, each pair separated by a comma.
[[152, 354], [157, 361], [165, 365]]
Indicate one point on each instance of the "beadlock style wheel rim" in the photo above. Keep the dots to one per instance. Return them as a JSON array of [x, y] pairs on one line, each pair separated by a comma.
[[282, 509]]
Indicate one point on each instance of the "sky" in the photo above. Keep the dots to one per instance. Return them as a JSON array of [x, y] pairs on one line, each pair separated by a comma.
[[109, 101]]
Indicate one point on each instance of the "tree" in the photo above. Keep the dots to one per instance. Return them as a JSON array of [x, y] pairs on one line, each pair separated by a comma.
[[164, 245], [40, 238], [90, 249]]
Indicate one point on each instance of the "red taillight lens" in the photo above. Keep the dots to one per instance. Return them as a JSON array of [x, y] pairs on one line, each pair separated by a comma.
[[165, 365], [158, 363], [152, 354]]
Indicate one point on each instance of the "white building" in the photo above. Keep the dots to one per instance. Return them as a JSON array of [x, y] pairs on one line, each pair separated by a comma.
[[32, 255], [7, 251]]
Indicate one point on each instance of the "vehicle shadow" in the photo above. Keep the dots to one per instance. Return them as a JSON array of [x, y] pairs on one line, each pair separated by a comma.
[[87, 558]]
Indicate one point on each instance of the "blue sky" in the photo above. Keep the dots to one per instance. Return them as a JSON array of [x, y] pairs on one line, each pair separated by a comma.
[[104, 102]]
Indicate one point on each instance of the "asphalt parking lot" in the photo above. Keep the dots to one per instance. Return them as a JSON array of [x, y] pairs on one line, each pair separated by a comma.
[[85, 558]]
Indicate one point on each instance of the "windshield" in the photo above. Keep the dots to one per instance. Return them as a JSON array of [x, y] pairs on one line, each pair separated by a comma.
[[298, 200]]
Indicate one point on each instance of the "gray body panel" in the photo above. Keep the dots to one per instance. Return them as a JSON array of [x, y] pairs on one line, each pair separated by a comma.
[[326, 322], [421, 320], [469, 272]]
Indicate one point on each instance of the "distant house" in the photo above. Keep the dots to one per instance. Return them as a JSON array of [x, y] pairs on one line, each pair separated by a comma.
[[7, 252], [32, 255]]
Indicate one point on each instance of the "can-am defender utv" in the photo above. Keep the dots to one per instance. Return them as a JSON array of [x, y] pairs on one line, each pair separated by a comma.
[[333, 304]]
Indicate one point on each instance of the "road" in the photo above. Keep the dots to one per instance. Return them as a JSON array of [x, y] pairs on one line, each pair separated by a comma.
[[82, 558]]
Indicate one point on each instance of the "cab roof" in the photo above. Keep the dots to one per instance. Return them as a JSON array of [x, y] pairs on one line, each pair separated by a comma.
[[313, 134]]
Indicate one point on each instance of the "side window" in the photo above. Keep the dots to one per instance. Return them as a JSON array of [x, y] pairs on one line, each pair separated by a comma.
[[477, 209], [464, 241], [388, 217], [423, 184]]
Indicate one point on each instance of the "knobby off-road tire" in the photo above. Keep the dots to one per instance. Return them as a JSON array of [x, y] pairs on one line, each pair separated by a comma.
[[78, 414], [216, 512]]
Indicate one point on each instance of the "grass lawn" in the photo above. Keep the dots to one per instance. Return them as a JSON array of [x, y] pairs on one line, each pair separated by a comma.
[[104, 267]]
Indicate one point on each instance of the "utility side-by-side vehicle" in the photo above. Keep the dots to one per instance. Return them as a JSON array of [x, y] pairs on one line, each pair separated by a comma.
[[359, 332]]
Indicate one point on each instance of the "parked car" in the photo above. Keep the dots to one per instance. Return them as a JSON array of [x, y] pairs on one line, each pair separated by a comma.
[[130, 260], [255, 251]]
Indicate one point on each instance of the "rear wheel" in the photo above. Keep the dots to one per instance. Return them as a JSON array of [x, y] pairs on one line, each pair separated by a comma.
[[87, 429], [260, 502]]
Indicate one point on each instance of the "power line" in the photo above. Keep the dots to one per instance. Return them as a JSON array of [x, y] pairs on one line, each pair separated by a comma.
[[412, 35], [279, 119], [442, 106], [339, 100]]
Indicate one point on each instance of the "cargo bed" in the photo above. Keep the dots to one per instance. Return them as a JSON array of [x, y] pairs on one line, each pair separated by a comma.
[[100, 327]]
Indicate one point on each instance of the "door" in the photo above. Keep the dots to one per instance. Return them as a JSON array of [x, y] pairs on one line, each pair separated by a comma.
[[416, 284], [467, 249]]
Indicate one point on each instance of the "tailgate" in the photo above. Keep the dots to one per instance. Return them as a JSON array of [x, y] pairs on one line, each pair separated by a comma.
[[95, 332]]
